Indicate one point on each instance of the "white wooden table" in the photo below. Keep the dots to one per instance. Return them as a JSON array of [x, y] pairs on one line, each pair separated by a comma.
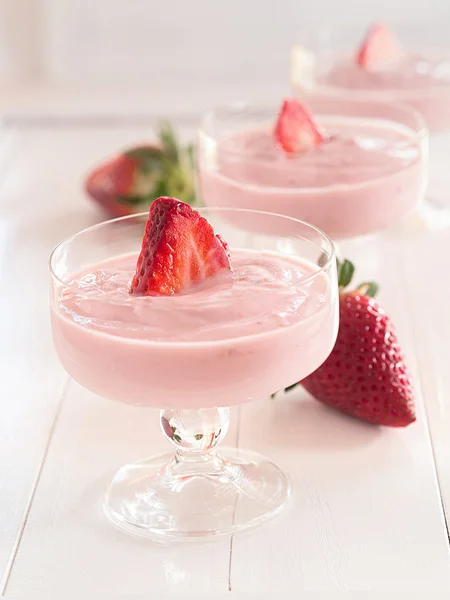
[[368, 506]]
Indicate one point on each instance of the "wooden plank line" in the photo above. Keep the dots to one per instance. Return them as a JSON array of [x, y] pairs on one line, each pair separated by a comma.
[[422, 387], [420, 384], [16, 547], [433, 450]]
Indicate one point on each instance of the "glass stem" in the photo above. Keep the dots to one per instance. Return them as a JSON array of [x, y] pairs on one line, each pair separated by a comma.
[[195, 432]]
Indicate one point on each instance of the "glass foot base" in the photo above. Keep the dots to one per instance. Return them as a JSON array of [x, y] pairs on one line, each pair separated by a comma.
[[431, 215], [173, 498]]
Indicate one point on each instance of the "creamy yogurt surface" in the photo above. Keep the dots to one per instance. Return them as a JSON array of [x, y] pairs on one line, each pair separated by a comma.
[[263, 292], [413, 72], [358, 150]]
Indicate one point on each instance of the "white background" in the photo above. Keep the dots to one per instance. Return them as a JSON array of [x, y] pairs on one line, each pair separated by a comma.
[[195, 42]]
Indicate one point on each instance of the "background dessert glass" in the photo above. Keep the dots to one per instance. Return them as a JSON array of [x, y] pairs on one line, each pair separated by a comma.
[[352, 201], [195, 492], [323, 64]]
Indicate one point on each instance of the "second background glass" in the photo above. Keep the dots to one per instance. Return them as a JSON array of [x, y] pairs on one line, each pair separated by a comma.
[[371, 175]]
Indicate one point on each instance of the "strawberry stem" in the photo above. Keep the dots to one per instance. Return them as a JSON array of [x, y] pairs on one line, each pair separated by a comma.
[[169, 141], [190, 151], [368, 288]]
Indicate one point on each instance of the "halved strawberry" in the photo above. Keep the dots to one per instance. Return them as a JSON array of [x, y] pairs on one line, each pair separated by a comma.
[[129, 182], [295, 129], [179, 249], [379, 49]]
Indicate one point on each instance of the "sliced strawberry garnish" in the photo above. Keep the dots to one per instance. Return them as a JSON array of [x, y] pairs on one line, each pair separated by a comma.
[[295, 129], [179, 249], [379, 49]]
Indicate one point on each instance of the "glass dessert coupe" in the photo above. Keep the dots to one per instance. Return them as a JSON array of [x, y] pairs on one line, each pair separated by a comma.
[[238, 336], [324, 64], [368, 176]]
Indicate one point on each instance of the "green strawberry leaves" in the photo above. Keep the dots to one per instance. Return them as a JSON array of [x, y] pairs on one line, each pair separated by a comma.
[[346, 270], [150, 159], [165, 170]]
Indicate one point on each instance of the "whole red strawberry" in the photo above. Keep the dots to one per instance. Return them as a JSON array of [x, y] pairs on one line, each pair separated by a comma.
[[179, 249], [365, 375], [129, 182]]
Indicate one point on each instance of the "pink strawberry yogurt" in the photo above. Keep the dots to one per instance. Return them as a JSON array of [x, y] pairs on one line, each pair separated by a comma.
[[420, 79], [367, 176], [234, 337]]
